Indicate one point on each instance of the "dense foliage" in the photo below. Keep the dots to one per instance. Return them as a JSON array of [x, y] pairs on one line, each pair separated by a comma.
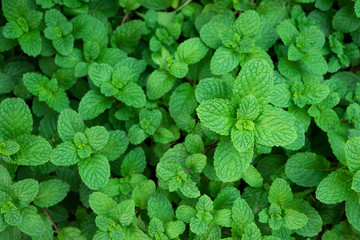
[[179, 119]]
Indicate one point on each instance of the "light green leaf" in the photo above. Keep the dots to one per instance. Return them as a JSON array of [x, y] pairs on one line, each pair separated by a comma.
[[256, 79], [219, 115], [100, 73], [32, 223], [352, 210], [34, 150], [98, 137], [160, 207], [223, 61], [65, 154], [242, 139], [248, 23], [191, 51], [142, 193], [335, 188], [51, 192], [117, 144], [31, 42], [134, 162], [93, 104], [352, 153], [101, 204], [25, 190], [125, 211], [273, 128], [294, 219], [69, 123], [307, 169], [132, 95], [229, 164], [15, 118], [94, 171], [159, 83], [280, 192]]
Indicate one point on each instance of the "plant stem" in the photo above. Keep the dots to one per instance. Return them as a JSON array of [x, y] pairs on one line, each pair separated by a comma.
[[186, 3], [187, 170], [52, 221], [189, 80], [124, 18]]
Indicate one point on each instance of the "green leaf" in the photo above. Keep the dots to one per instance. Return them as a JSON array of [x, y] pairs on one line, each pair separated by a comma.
[[210, 88], [12, 30], [242, 139], [310, 38], [30, 43], [125, 211], [287, 32], [222, 217], [159, 83], [25, 190], [69, 123], [335, 188], [155, 227], [101, 204], [117, 144], [256, 79], [294, 219], [98, 137], [51, 192], [100, 73], [253, 177], [94, 171], [5, 179], [219, 115], [242, 216], [65, 154], [315, 62], [352, 210], [136, 134], [185, 213], [352, 153], [68, 233], [174, 229], [142, 193], [127, 36], [34, 150], [273, 128], [194, 143], [307, 169], [209, 34], [15, 118], [248, 23], [132, 95], [32, 223], [134, 162], [160, 207], [229, 164], [182, 101], [191, 51], [223, 61], [196, 162], [93, 104], [280, 192]]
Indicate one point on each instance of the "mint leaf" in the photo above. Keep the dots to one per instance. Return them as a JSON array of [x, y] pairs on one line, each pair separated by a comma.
[[94, 171], [335, 187], [15, 118], [256, 79], [219, 115], [229, 164], [51, 192]]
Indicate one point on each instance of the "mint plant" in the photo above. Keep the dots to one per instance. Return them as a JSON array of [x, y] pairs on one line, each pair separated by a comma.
[[179, 119]]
